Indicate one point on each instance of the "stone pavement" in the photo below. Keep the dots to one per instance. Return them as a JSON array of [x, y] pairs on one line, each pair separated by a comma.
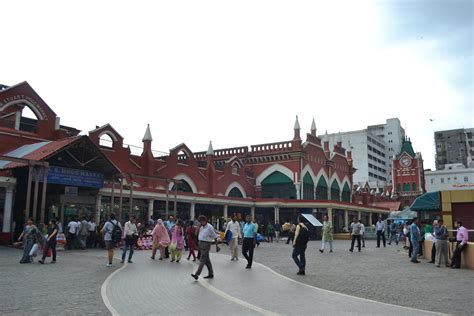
[[149, 287], [75, 282], [381, 274]]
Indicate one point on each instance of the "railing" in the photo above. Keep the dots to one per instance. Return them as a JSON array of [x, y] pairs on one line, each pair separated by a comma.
[[230, 152], [272, 147]]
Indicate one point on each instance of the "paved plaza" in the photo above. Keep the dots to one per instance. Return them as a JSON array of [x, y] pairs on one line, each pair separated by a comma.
[[374, 282]]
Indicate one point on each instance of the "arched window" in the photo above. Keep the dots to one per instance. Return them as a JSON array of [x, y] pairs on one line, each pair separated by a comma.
[[183, 186], [308, 187], [235, 168], [414, 187], [235, 192], [399, 187], [406, 187], [346, 193], [182, 157], [106, 141], [335, 191], [28, 120], [278, 185], [322, 189]]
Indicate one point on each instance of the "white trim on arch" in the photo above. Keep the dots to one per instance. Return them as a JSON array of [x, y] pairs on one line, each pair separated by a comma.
[[182, 176], [110, 134], [237, 185], [334, 177], [344, 181], [275, 167], [322, 173], [308, 168], [40, 115]]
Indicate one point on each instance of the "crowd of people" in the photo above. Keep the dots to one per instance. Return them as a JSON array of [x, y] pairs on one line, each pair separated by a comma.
[[171, 237]]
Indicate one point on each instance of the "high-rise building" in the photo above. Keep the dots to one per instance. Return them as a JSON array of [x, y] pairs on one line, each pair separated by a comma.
[[373, 150], [454, 146]]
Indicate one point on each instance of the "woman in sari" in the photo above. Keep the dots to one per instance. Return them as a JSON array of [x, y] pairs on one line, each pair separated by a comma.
[[191, 240], [161, 239], [177, 241], [29, 237]]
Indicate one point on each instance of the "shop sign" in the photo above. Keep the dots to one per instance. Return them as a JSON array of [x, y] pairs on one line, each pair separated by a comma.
[[73, 177], [70, 191]]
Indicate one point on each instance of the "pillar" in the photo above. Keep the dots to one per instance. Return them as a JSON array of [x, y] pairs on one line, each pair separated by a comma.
[[8, 207], [330, 214], [276, 211], [98, 206], [252, 212], [226, 211], [298, 191], [193, 211], [151, 203], [359, 215], [346, 218], [370, 219]]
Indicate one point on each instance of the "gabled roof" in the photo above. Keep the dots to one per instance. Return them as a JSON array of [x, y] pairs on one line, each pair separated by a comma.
[[407, 148], [106, 127]]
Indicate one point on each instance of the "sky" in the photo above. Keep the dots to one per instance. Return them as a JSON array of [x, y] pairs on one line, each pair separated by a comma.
[[238, 72]]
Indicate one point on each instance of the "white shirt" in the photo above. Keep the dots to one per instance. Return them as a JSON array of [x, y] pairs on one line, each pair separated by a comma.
[[362, 229], [380, 226], [92, 227], [207, 233], [73, 227], [130, 229], [234, 228]]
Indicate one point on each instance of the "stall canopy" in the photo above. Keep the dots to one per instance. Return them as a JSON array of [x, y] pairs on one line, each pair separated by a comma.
[[313, 221], [405, 214], [427, 202]]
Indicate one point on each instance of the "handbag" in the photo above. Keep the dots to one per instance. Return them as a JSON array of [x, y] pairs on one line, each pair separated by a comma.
[[34, 250]]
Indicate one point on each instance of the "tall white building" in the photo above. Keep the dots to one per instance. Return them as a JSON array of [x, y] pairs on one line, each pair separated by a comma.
[[373, 150], [452, 177]]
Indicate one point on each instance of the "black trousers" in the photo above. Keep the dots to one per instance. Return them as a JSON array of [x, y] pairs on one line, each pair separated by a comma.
[[247, 250], [301, 261], [71, 239], [380, 234], [51, 245], [433, 252], [456, 261], [354, 238]]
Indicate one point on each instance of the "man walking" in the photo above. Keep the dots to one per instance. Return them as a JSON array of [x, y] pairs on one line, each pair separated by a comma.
[[83, 233], [131, 236], [380, 227], [393, 233], [415, 239], [356, 228], [207, 236], [461, 244], [250, 239], [71, 234], [299, 245], [92, 233], [327, 234], [362, 233], [111, 233], [234, 227], [441, 234], [277, 229]]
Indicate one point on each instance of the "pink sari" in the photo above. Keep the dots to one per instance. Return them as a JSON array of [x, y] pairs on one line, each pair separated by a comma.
[[160, 234], [178, 237]]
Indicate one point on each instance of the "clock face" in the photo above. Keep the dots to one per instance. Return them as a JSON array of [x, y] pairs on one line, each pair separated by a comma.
[[405, 162]]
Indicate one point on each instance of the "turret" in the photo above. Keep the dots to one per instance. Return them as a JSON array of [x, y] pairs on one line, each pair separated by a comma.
[[313, 128], [297, 130]]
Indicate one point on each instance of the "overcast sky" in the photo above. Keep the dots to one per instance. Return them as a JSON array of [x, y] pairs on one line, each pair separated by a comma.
[[238, 72]]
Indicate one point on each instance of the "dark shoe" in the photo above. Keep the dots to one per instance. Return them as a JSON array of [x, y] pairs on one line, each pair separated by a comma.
[[330, 250], [416, 261], [54, 261], [321, 251], [248, 267], [195, 276], [209, 277], [152, 258], [456, 267], [177, 261], [351, 250], [300, 273], [130, 261], [172, 260], [122, 261], [41, 261]]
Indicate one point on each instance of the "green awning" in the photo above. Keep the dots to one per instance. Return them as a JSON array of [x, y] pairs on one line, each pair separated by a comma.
[[427, 202]]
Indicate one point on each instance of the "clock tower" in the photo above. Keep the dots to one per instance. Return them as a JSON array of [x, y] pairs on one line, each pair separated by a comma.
[[408, 175]]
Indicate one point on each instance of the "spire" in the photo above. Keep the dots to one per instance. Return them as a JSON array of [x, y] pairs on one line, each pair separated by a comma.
[[297, 124], [210, 150], [313, 128], [147, 136]]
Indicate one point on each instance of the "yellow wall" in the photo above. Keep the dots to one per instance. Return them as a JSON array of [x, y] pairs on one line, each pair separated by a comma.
[[449, 197]]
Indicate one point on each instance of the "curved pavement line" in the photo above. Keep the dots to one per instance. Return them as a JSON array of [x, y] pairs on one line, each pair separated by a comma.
[[103, 290], [346, 295], [236, 300]]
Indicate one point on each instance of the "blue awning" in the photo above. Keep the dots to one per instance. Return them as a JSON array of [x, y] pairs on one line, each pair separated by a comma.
[[427, 202]]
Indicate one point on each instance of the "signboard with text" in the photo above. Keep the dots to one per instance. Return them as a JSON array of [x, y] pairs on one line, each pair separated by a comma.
[[74, 177]]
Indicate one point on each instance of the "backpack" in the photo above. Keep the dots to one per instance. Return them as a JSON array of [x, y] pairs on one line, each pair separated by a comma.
[[116, 233], [303, 236]]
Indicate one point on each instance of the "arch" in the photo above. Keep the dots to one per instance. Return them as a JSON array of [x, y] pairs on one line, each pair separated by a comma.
[[346, 193], [321, 174], [278, 185], [275, 167], [41, 116], [308, 187], [110, 134], [235, 168], [106, 140], [335, 190], [234, 185], [335, 178], [413, 188], [308, 169], [322, 189], [189, 181]]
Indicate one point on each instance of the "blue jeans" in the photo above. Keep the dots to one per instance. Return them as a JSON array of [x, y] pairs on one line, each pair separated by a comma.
[[416, 248], [125, 248], [301, 262]]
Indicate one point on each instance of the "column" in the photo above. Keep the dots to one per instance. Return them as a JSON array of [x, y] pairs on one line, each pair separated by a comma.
[[370, 218], [226, 211], [7, 214], [346, 218], [151, 203], [276, 211], [298, 191], [98, 206], [359, 215], [330, 214], [252, 212], [193, 211]]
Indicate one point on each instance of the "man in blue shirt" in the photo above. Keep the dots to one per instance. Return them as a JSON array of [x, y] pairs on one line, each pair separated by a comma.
[[415, 240], [249, 233]]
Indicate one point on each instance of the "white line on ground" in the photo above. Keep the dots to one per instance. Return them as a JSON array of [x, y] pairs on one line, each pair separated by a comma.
[[103, 290]]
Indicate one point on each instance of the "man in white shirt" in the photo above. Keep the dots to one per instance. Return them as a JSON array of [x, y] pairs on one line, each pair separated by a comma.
[[131, 235], [72, 230], [92, 227], [234, 227], [362, 233], [380, 227], [207, 237]]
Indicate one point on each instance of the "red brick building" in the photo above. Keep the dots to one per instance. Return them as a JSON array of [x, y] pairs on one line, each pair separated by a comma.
[[271, 181]]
